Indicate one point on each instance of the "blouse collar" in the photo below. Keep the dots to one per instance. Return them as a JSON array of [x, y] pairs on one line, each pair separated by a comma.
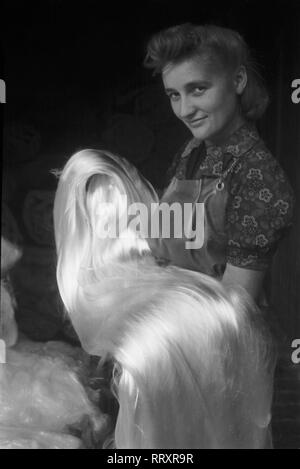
[[239, 142]]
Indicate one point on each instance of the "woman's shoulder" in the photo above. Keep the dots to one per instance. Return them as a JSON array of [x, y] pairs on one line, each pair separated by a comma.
[[260, 209], [260, 155], [261, 193], [258, 165], [250, 150]]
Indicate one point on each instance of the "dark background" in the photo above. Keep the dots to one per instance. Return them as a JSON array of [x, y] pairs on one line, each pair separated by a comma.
[[75, 79], [70, 67]]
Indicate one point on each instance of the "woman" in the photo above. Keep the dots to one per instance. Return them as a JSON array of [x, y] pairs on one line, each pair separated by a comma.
[[215, 90], [195, 363]]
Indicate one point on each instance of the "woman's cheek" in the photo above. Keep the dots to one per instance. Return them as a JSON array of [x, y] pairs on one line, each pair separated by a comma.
[[175, 108], [209, 102]]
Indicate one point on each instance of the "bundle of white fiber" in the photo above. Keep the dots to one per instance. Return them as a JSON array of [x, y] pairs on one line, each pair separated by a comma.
[[195, 359], [8, 327], [42, 397], [42, 392]]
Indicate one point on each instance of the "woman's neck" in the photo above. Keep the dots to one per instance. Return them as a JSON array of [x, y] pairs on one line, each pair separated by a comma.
[[222, 137]]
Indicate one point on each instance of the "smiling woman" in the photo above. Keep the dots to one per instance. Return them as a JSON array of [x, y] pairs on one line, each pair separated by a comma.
[[215, 90], [205, 100]]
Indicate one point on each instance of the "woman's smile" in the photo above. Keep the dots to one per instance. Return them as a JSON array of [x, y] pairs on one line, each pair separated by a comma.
[[196, 122]]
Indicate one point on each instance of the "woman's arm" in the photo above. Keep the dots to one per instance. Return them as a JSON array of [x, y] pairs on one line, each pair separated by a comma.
[[250, 280]]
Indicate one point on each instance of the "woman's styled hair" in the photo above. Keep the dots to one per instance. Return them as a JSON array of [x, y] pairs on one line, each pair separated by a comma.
[[220, 47], [196, 368]]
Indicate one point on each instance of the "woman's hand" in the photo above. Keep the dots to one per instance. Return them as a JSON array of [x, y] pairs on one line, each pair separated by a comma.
[[250, 280]]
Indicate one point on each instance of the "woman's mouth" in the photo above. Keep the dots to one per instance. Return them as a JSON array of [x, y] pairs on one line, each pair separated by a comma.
[[196, 122]]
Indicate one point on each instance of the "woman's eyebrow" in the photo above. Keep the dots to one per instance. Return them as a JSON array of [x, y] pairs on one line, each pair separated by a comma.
[[190, 85], [170, 90], [195, 83]]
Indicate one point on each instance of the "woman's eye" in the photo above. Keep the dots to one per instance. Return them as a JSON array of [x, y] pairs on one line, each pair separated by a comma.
[[173, 96], [199, 90]]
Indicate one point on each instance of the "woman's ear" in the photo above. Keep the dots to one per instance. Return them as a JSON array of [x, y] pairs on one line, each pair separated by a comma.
[[240, 79]]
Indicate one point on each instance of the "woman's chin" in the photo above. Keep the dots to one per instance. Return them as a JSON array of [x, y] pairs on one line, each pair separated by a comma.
[[200, 132]]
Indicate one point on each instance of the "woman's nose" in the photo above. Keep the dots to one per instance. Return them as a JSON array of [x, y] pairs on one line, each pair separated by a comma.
[[187, 108]]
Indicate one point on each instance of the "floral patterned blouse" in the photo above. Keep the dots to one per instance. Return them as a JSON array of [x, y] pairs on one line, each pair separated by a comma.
[[260, 203]]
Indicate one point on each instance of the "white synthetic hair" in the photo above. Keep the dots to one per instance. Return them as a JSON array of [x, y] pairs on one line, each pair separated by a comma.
[[195, 359], [10, 254]]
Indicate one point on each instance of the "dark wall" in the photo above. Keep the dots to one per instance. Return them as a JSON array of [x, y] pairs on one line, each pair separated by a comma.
[[70, 67], [285, 126]]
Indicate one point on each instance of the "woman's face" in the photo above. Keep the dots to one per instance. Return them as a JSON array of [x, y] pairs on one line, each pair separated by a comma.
[[205, 100]]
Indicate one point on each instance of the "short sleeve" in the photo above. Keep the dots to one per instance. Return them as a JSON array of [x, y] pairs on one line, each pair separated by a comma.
[[259, 211]]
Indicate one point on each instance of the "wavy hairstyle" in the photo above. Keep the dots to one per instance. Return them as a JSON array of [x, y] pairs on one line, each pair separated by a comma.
[[221, 47], [194, 359]]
